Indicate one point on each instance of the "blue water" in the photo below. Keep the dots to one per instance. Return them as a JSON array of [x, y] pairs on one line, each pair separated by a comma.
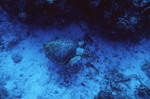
[[117, 70]]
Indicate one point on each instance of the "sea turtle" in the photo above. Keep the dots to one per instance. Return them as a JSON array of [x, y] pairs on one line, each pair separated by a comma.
[[64, 51]]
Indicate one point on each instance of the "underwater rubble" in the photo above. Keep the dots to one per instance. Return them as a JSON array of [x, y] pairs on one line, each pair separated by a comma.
[[120, 20], [116, 32], [11, 32]]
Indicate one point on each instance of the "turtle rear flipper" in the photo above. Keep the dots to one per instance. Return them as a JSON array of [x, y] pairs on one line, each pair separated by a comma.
[[74, 60]]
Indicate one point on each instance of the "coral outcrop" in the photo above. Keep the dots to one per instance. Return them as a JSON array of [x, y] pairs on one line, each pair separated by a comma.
[[120, 20]]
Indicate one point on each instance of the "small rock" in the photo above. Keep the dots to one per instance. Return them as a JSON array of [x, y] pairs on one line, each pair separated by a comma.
[[16, 57], [104, 95]]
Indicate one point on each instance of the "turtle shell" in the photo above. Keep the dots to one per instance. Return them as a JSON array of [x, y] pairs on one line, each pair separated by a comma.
[[60, 51]]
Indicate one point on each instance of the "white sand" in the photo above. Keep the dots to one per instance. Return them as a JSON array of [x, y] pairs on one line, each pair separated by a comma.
[[35, 77]]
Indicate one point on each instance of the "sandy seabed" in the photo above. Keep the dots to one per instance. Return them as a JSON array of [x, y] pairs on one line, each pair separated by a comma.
[[114, 67]]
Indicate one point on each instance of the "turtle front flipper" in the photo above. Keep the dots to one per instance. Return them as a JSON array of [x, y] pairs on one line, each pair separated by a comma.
[[74, 60]]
